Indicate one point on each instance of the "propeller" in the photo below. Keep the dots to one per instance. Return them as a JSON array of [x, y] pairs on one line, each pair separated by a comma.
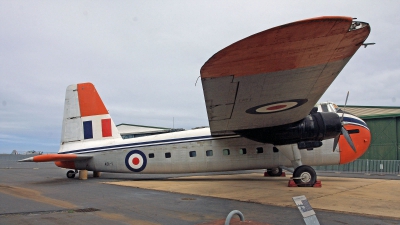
[[344, 131]]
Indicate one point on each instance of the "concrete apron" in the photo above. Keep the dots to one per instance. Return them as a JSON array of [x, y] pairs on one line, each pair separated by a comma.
[[374, 197]]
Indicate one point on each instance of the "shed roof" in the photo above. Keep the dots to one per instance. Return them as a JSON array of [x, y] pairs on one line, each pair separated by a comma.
[[370, 112]]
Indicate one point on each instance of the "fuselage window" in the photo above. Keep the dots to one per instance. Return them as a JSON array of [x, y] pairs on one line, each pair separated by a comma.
[[168, 155], [151, 155], [226, 152], [209, 153], [260, 150], [242, 151], [192, 153]]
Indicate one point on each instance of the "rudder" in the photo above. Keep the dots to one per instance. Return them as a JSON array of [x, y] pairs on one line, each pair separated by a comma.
[[85, 116]]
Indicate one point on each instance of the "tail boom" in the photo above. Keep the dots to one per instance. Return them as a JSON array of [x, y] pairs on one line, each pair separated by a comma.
[[55, 157]]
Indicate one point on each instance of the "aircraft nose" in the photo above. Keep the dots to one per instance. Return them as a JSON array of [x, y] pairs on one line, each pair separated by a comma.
[[361, 137]]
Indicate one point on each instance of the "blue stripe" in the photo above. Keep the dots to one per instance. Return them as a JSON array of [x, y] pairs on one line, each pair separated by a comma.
[[87, 130], [356, 121], [147, 143]]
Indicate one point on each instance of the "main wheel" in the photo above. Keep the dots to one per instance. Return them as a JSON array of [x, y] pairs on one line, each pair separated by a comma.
[[275, 172], [304, 176], [71, 174]]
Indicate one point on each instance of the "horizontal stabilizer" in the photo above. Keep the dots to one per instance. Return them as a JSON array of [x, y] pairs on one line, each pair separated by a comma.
[[55, 157]]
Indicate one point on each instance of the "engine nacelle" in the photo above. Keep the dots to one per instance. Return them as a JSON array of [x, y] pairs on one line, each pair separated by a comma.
[[314, 128]]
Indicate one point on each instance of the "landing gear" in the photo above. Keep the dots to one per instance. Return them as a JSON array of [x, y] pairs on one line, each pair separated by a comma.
[[71, 174], [275, 172], [304, 176]]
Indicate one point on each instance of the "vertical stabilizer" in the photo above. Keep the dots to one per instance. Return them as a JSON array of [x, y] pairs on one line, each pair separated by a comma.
[[85, 116]]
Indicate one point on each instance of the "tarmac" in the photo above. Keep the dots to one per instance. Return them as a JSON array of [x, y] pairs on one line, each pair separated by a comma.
[[374, 197], [40, 193]]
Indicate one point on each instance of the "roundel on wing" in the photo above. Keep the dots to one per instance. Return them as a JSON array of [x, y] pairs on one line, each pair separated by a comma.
[[135, 161], [276, 106]]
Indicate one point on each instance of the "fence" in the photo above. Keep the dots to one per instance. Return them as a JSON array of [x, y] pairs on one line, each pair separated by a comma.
[[365, 166]]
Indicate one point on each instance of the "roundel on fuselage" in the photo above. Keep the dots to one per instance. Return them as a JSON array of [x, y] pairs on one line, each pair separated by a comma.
[[136, 161]]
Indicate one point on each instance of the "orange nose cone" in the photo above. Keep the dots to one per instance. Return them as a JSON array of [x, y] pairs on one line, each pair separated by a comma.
[[361, 137]]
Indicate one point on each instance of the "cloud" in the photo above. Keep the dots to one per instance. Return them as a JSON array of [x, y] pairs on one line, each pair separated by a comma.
[[145, 56]]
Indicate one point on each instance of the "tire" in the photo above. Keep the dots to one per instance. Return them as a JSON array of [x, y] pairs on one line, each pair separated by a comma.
[[275, 172], [304, 176], [71, 174]]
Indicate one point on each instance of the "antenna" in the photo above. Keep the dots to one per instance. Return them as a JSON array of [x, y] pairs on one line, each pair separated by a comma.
[[366, 44], [196, 81]]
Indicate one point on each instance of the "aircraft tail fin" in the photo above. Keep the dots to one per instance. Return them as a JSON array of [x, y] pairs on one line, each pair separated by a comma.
[[85, 116]]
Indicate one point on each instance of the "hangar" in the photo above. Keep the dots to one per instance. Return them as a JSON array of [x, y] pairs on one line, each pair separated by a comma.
[[383, 154], [384, 123]]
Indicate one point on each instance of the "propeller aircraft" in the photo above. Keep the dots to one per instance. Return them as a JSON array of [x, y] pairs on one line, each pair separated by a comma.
[[260, 94]]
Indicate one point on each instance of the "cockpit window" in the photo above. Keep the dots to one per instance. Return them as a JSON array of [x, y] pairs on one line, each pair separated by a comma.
[[332, 107], [328, 107], [324, 108]]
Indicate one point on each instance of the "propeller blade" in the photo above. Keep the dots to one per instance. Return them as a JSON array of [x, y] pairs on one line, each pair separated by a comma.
[[335, 142], [345, 103], [348, 139], [343, 130]]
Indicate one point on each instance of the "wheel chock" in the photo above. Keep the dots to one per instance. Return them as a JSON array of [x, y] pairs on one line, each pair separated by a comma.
[[293, 184], [267, 175], [318, 184]]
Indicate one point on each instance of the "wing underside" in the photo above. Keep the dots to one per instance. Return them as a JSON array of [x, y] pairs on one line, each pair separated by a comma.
[[276, 77]]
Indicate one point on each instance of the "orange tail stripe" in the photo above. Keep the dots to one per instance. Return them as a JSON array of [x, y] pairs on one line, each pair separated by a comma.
[[90, 103]]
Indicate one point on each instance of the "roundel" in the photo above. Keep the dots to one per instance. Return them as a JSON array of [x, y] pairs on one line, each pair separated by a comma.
[[136, 161], [276, 106]]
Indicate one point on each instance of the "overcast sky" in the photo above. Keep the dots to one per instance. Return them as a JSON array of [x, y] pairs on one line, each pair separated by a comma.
[[144, 58]]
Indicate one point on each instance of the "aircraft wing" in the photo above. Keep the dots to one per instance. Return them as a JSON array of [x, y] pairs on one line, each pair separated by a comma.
[[275, 77]]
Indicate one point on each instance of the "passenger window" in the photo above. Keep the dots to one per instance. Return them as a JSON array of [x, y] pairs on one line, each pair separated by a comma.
[[242, 151], [168, 155], [209, 153], [192, 153], [151, 155], [226, 152], [260, 150]]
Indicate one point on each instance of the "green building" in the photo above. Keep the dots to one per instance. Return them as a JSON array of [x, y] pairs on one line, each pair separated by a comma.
[[384, 124]]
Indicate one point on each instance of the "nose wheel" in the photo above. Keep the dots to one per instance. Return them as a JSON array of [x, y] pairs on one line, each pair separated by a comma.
[[71, 173], [275, 172], [304, 176]]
